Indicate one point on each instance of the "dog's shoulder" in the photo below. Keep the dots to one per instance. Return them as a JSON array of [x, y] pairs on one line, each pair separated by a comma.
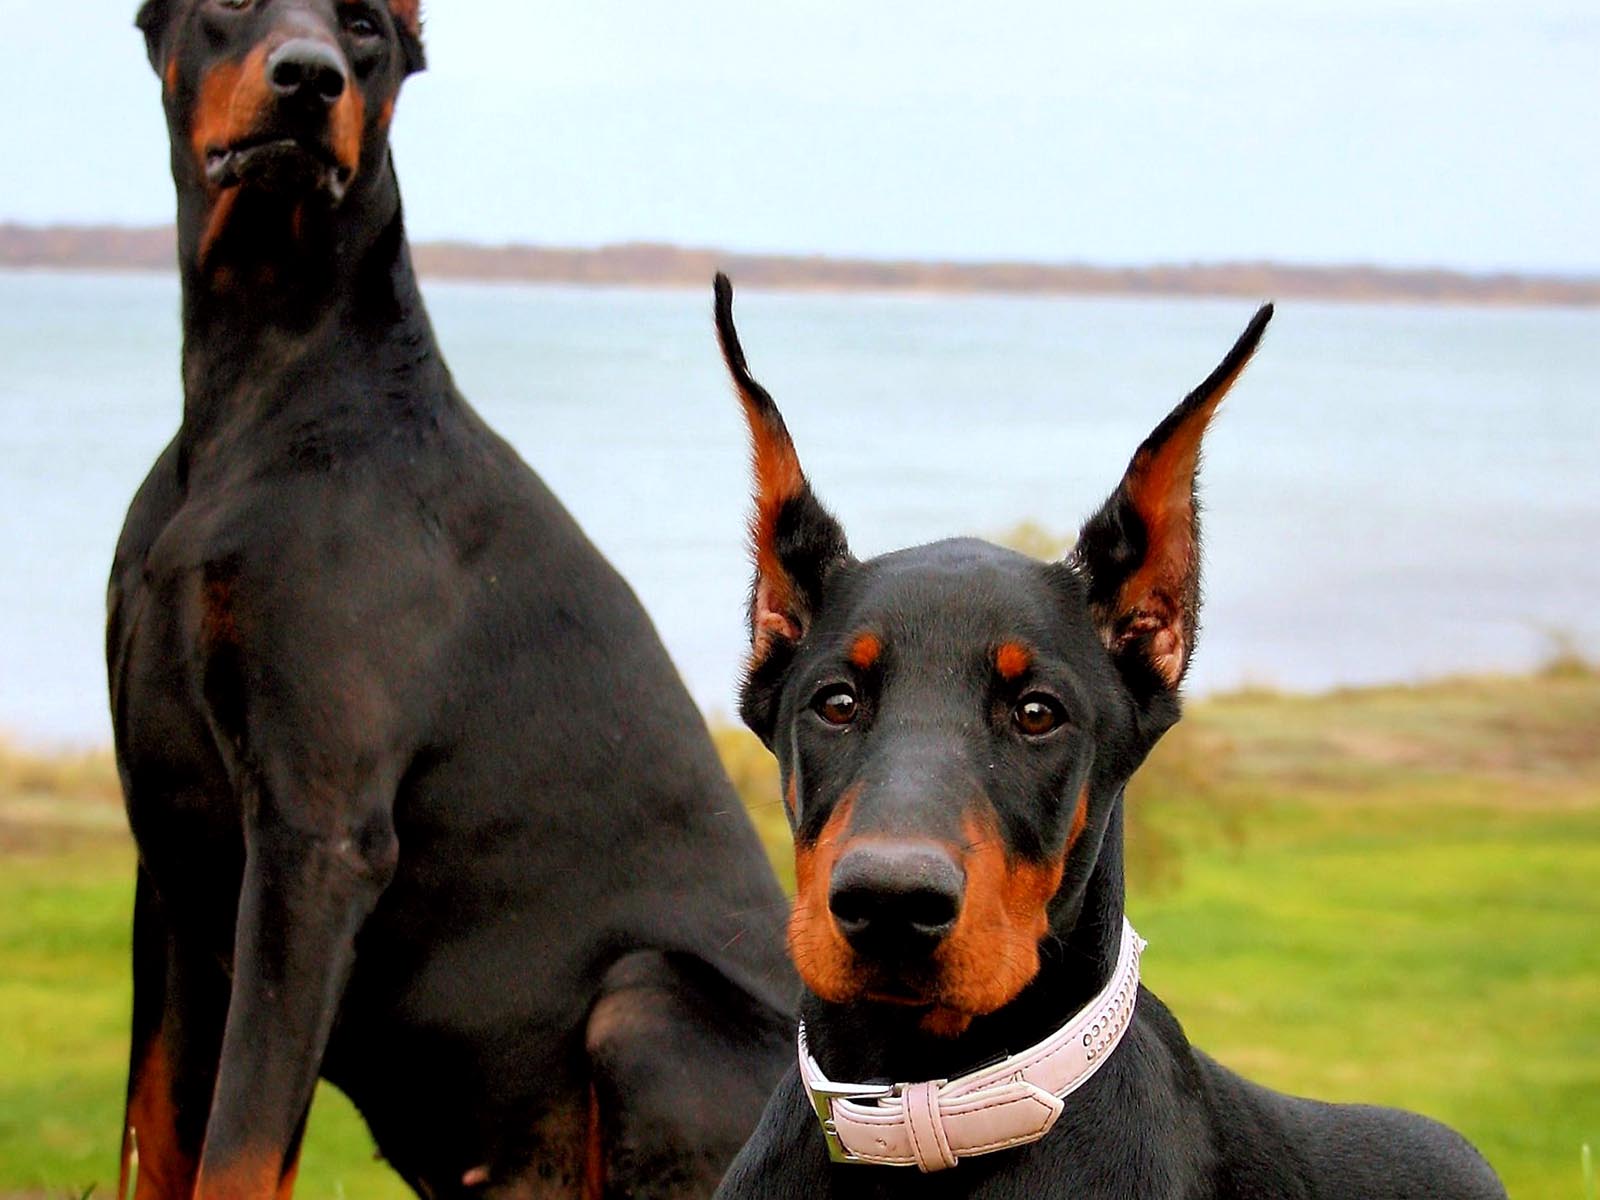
[[1273, 1144], [153, 504]]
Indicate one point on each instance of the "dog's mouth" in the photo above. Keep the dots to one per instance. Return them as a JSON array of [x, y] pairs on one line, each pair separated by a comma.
[[923, 1004], [897, 998], [899, 985], [278, 163]]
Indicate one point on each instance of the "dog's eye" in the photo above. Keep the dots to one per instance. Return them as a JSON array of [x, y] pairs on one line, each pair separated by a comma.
[[1036, 714], [362, 25], [836, 705], [233, 5]]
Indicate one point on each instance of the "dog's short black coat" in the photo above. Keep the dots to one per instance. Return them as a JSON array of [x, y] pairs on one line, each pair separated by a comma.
[[421, 804], [978, 713]]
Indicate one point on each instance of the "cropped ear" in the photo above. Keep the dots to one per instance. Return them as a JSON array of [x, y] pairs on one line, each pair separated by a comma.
[[1141, 551], [794, 541], [408, 18], [152, 22]]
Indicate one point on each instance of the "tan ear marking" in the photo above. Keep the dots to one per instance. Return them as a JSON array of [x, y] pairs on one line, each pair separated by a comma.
[[409, 14], [1157, 599], [778, 610]]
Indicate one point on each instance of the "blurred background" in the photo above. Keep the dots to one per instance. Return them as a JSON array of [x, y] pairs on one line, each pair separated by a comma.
[[1367, 861]]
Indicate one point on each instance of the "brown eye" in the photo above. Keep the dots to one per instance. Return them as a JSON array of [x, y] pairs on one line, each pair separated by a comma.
[[1036, 715], [362, 25], [836, 705]]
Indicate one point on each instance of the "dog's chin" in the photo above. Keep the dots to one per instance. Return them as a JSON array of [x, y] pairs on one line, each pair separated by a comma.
[[283, 166], [931, 1016]]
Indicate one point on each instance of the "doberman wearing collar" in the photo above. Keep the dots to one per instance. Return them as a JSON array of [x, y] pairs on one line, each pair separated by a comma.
[[955, 725], [421, 804]]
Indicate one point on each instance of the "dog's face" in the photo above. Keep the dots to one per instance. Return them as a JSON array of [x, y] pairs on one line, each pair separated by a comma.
[[284, 98], [940, 721], [954, 723]]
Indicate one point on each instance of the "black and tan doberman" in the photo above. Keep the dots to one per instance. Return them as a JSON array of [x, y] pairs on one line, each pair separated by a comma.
[[421, 805], [955, 725]]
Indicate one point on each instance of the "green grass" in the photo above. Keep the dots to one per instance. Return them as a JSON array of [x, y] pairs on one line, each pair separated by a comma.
[[1389, 895]]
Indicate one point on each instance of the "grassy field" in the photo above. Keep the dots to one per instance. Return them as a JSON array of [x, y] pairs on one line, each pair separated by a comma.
[[1388, 895]]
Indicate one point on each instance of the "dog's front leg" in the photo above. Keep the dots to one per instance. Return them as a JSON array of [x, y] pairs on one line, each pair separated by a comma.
[[316, 862]]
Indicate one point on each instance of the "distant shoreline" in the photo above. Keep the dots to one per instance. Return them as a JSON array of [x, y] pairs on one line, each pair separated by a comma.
[[653, 265]]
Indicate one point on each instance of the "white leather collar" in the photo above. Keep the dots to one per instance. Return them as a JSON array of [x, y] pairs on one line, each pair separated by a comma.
[[935, 1124]]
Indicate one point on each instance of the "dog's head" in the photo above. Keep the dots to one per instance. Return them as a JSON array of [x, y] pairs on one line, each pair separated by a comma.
[[290, 99], [954, 723]]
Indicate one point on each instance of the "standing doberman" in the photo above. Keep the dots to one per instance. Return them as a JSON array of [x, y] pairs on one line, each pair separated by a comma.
[[955, 726], [421, 804]]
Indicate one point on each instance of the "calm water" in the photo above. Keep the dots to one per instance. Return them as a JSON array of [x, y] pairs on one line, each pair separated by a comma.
[[1391, 493]]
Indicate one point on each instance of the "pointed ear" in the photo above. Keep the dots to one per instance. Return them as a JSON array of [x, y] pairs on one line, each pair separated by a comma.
[[152, 22], [794, 540], [408, 17], [1141, 551]]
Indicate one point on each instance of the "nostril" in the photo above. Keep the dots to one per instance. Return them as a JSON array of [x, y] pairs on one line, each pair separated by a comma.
[[287, 75], [930, 911], [851, 908], [330, 83]]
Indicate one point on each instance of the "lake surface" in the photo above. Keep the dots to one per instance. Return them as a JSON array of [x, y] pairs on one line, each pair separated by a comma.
[[1391, 493]]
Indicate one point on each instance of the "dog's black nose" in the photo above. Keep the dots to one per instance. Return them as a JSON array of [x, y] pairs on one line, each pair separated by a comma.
[[306, 69], [895, 899]]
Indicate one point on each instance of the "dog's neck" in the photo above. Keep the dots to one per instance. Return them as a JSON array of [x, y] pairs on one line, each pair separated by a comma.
[[873, 1042], [281, 293]]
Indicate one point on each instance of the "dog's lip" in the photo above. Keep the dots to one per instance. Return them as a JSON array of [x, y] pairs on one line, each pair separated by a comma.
[[900, 997], [894, 1001], [225, 165]]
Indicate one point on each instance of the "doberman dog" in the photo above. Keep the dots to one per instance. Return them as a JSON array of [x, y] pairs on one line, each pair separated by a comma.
[[421, 804], [955, 725]]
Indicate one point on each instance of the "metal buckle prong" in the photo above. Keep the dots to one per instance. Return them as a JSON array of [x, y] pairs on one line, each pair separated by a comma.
[[822, 1098]]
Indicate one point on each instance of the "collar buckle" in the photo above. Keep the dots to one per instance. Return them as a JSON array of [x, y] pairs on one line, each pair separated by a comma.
[[823, 1094]]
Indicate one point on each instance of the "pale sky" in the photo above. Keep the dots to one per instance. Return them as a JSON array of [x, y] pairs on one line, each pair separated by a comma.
[[1462, 133]]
